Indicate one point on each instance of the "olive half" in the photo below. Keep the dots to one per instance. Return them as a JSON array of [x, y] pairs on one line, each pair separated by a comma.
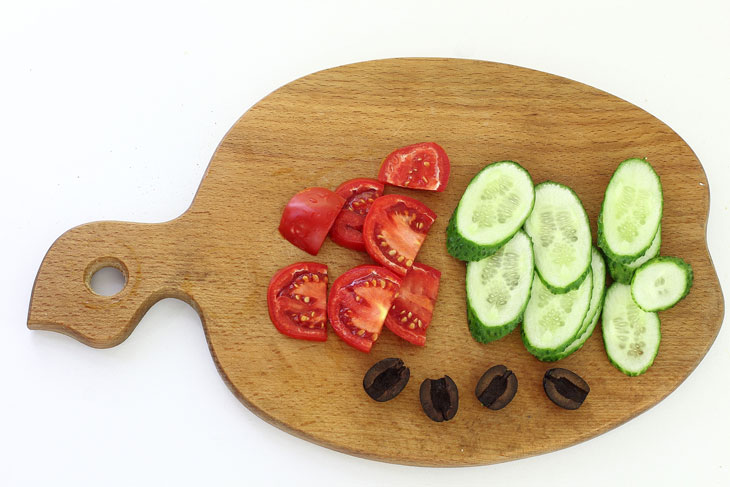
[[497, 387], [439, 398], [386, 379], [565, 388]]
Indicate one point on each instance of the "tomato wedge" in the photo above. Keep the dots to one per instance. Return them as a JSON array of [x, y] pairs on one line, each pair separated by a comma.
[[417, 166], [395, 229], [297, 299], [308, 217], [359, 195], [411, 311], [359, 302]]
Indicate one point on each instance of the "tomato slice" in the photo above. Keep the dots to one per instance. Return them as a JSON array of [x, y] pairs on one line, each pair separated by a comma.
[[297, 299], [359, 195], [417, 166], [308, 217], [411, 311], [395, 229], [359, 302]]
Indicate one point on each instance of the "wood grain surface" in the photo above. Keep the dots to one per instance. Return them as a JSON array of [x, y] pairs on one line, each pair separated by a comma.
[[338, 124]]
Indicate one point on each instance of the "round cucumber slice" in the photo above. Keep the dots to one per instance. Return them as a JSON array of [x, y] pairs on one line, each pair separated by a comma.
[[631, 335], [660, 283]]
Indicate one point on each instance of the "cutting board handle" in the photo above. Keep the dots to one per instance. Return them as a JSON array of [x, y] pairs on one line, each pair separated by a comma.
[[149, 257]]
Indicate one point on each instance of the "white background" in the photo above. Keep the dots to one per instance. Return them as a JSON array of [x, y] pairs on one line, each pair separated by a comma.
[[112, 113]]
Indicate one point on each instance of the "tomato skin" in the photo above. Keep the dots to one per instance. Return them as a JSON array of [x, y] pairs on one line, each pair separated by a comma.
[[419, 166], [308, 217], [293, 316], [359, 195], [359, 302], [395, 229], [416, 297]]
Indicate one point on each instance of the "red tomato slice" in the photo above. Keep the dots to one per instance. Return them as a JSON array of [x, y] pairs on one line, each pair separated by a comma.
[[395, 229], [412, 309], [417, 166], [359, 302], [297, 299], [308, 216], [359, 195]]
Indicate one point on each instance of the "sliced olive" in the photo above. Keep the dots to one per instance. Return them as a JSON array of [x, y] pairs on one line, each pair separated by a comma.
[[497, 387], [439, 398], [386, 379], [565, 388]]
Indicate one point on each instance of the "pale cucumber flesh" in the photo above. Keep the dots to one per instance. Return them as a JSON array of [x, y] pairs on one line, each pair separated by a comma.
[[624, 272], [631, 211], [498, 288], [552, 321], [561, 236], [660, 283], [598, 273], [631, 335], [493, 207]]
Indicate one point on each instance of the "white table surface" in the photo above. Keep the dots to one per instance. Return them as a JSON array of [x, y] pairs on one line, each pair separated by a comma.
[[113, 112]]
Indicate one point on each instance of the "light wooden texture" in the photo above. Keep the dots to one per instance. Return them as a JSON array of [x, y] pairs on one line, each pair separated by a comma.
[[338, 124]]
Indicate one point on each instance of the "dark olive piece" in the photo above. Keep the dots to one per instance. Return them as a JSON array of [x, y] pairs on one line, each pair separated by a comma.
[[439, 398], [565, 388], [386, 379], [497, 387]]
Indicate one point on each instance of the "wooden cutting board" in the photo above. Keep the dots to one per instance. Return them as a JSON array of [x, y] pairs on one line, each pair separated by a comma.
[[338, 124]]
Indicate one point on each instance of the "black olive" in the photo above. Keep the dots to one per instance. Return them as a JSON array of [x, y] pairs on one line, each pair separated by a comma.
[[565, 388], [497, 387], [386, 379], [439, 398]]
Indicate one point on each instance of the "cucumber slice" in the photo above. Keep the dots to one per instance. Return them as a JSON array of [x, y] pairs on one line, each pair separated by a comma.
[[624, 272], [498, 288], [598, 272], [561, 235], [619, 272], [631, 211], [631, 335], [491, 210], [552, 321], [660, 283]]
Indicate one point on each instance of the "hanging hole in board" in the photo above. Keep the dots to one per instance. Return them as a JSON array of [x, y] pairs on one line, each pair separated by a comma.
[[106, 276]]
